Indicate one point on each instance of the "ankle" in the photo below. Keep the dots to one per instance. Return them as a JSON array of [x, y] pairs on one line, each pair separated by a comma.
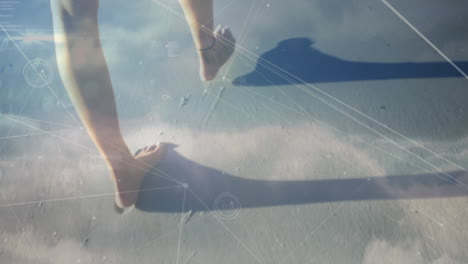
[[207, 43], [119, 162]]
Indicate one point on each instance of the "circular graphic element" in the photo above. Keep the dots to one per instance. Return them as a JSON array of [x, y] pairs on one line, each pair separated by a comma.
[[38, 73], [227, 206]]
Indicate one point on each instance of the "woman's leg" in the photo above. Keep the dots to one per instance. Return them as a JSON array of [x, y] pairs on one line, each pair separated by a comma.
[[85, 75], [214, 47]]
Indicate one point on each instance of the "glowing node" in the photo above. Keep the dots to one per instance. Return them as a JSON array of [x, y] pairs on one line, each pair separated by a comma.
[[227, 206], [38, 73]]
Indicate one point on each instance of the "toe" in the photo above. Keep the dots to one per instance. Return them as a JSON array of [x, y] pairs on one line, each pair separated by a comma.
[[138, 152], [217, 29], [152, 147]]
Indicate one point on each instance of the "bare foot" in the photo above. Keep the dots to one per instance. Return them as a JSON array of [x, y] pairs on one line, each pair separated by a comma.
[[213, 58], [128, 179]]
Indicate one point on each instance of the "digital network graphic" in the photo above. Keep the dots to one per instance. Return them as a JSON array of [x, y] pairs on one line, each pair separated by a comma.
[[188, 188]]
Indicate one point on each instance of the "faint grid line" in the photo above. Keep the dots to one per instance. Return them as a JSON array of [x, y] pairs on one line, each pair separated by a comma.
[[36, 134], [40, 75], [323, 123], [227, 228], [27, 98], [181, 226], [86, 196], [251, 239], [39, 120], [271, 68], [242, 35], [461, 184], [321, 224], [440, 224], [391, 141], [306, 113], [191, 222], [361, 122], [88, 148], [424, 38], [222, 9], [166, 176], [429, 217], [278, 73], [182, 17], [21, 227]]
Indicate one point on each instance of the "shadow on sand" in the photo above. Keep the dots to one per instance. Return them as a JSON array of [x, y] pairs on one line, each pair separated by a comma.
[[210, 189], [296, 61]]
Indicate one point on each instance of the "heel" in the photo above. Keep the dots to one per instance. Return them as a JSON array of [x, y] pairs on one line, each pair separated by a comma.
[[123, 211]]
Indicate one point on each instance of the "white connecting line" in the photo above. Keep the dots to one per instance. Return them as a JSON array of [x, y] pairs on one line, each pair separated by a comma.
[[425, 39], [38, 73]]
